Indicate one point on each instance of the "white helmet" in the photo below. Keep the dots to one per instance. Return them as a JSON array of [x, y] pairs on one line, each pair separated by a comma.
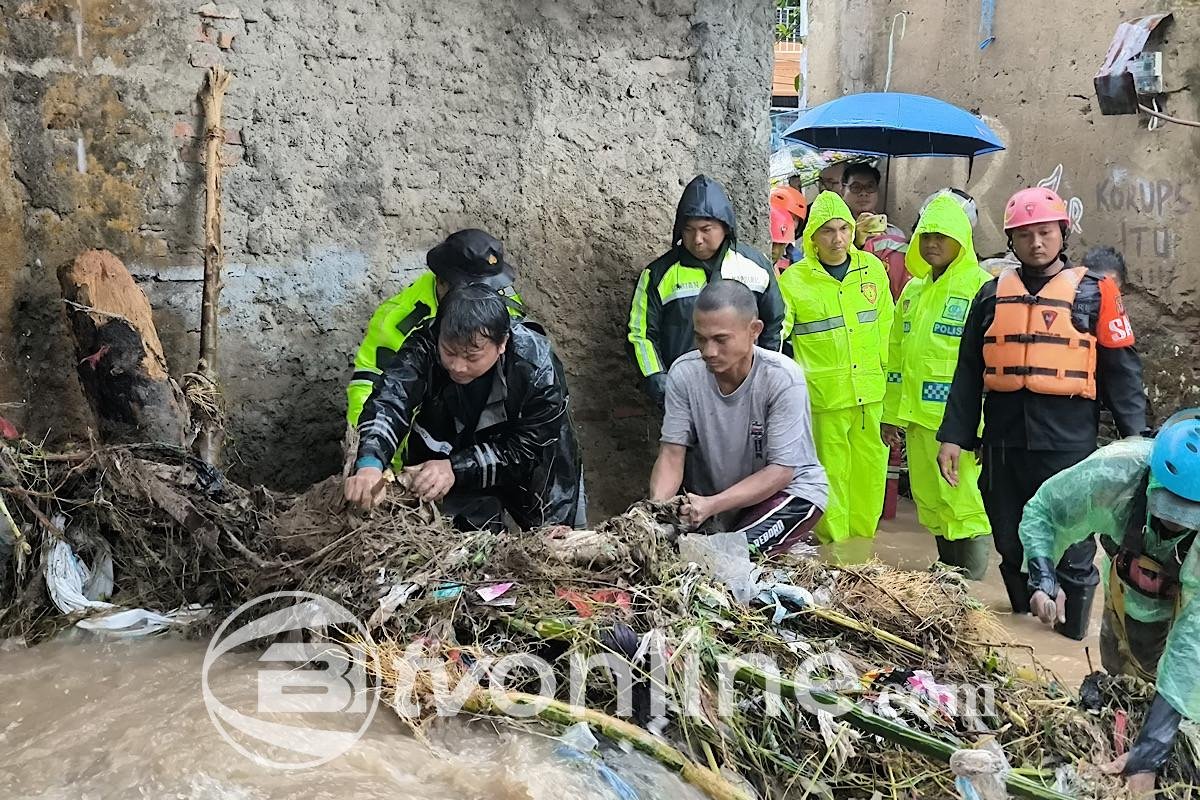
[[964, 200]]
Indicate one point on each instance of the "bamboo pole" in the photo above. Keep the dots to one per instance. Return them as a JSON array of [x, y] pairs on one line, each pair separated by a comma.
[[849, 623], [211, 434], [892, 731]]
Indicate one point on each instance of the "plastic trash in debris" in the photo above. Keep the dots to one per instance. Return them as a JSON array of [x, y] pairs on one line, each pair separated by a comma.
[[980, 772], [490, 594], [777, 594], [134, 622], [447, 591], [727, 558], [1066, 780], [578, 744], [74, 588], [397, 596], [925, 685], [580, 737]]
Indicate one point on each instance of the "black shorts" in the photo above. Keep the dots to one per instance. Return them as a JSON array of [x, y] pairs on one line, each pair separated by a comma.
[[779, 523]]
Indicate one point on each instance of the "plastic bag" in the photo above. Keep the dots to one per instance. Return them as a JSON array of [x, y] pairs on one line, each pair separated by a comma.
[[74, 588], [726, 556]]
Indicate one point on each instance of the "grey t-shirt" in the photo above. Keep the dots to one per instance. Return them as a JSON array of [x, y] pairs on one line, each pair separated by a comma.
[[764, 421]]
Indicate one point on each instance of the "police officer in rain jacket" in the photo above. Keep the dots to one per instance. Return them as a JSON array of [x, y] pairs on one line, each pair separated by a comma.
[[704, 248], [479, 405]]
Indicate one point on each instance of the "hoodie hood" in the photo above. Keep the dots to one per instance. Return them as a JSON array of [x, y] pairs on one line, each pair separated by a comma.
[[943, 215], [827, 206], [704, 197]]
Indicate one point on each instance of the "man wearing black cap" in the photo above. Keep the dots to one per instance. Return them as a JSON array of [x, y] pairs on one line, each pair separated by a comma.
[[478, 404], [467, 256]]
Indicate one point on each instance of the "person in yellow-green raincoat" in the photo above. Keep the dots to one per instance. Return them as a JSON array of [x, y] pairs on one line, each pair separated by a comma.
[[924, 351], [466, 256], [839, 317], [1143, 497]]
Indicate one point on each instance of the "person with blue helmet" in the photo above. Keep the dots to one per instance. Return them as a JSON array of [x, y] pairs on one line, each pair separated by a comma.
[[1143, 497]]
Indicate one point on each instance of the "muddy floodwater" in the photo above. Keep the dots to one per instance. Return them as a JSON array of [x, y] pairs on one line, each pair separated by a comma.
[[89, 719], [903, 543]]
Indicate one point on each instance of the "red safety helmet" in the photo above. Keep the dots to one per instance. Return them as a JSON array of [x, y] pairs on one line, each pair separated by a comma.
[[783, 226], [791, 200], [1032, 206]]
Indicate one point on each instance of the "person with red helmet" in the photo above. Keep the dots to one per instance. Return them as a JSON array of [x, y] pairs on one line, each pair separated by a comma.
[[1049, 342], [789, 211]]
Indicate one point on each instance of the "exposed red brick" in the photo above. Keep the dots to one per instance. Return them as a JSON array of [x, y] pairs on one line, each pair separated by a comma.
[[225, 41], [625, 412]]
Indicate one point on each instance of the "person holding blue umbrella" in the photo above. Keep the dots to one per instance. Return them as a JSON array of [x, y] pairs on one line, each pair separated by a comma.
[[872, 232]]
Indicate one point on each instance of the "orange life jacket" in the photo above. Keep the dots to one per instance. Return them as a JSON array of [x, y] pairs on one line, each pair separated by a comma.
[[1032, 343]]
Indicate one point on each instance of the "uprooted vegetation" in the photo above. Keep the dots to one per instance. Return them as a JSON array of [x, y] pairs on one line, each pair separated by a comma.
[[913, 669]]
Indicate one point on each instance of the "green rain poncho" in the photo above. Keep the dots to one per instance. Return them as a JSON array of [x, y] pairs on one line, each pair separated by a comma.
[[1102, 494]]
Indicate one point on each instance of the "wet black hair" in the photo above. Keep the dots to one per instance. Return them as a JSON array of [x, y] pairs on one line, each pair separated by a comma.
[[860, 169], [726, 293], [471, 311], [1107, 260]]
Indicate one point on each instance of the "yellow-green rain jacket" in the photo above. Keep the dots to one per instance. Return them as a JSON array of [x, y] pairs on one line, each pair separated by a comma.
[[1106, 494], [838, 329], [929, 321]]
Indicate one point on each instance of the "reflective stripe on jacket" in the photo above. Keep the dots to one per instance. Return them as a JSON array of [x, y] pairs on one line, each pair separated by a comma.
[[390, 325], [839, 329], [1033, 344], [660, 316], [929, 321]]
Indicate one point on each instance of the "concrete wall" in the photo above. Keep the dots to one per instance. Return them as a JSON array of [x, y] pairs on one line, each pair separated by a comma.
[[1138, 189], [359, 134]]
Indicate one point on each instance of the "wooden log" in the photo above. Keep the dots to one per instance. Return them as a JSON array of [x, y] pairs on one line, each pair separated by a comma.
[[121, 364], [204, 385]]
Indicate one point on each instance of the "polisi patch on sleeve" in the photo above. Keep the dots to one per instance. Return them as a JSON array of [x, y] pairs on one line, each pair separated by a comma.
[[737, 267]]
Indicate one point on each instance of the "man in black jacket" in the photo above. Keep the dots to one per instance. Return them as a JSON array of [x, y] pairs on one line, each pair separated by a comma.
[[480, 404], [1051, 343], [704, 248]]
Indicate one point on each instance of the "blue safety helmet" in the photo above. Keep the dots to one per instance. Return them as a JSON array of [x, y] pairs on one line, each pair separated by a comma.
[[1175, 470]]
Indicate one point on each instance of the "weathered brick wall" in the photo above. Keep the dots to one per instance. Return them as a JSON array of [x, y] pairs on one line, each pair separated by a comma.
[[359, 134]]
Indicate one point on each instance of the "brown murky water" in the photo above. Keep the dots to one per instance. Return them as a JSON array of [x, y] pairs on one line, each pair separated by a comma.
[[101, 720], [91, 721], [902, 542]]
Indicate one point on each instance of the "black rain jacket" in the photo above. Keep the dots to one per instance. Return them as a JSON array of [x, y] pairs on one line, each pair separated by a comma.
[[523, 448], [660, 324]]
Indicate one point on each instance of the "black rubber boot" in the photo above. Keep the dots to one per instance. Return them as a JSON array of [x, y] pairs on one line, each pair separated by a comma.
[[1078, 612], [969, 556], [1017, 586]]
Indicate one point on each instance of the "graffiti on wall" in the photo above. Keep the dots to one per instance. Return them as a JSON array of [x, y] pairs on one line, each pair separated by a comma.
[[1149, 211], [1074, 205]]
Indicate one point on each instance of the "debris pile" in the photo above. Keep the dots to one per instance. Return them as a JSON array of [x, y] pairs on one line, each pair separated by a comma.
[[782, 678]]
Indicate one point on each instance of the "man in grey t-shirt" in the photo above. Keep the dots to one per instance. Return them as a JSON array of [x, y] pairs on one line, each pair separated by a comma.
[[737, 431]]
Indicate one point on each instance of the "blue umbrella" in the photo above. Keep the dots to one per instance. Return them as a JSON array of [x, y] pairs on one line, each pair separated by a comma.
[[894, 124]]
